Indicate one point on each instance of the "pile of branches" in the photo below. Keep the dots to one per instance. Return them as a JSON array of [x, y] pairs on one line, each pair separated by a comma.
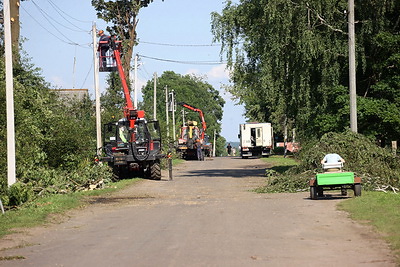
[[378, 167]]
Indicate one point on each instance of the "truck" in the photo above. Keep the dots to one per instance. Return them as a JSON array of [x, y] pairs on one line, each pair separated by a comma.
[[189, 133], [256, 139], [132, 145]]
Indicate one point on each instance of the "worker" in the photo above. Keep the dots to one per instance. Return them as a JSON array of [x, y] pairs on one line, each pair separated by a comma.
[[198, 149], [332, 158], [229, 149], [103, 47]]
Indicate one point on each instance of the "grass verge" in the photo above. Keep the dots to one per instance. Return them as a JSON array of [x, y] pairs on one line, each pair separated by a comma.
[[382, 211], [37, 212]]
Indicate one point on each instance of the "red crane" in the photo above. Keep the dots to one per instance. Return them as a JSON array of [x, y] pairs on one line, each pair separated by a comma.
[[203, 122], [132, 144]]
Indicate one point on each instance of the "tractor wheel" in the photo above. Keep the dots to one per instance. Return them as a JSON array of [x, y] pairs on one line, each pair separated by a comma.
[[357, 190], [313, 192], [155, 171]]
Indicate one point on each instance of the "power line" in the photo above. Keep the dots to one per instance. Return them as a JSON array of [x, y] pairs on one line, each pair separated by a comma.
[[56, 7], [70, 42], [87, 75], [57, 10], [43, 13], [187, 45], [185, 62]]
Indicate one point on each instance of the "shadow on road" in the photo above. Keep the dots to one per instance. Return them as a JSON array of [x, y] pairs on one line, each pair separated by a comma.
[[228, 173]]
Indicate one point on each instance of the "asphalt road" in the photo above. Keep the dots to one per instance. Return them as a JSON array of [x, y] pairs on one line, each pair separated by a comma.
[[206, 216]]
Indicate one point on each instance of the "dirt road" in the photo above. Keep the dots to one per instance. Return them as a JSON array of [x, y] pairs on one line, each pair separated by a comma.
[[206, 216]]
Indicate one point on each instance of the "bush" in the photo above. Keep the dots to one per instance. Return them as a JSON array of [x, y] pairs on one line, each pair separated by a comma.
[[377, 166]]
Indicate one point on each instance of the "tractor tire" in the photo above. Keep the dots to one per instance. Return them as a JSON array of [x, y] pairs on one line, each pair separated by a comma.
[[155, 171], [313, 192], [357, 190]]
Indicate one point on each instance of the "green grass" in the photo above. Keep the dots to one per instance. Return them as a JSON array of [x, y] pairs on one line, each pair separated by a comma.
[[382, 211], [37, 212], [280, 164]]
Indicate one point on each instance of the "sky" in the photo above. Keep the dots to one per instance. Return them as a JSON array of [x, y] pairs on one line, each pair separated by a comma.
[[57, 38]]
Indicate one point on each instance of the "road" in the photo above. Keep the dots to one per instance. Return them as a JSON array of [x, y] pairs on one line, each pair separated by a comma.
[[206, 216]]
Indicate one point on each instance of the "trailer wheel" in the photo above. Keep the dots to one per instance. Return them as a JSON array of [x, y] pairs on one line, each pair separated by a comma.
[[313, 192], [155, 171], [343, 192], [357, 190]]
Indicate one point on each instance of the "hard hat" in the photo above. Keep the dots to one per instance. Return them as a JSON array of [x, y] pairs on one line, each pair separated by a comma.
[[100, 32]]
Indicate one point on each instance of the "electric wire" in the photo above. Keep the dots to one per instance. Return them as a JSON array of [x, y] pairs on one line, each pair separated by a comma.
[[43, 13], [57, 10], [54, 5], [46, 16], [185, 62], [87, 75], [69, 41], [180, 45]]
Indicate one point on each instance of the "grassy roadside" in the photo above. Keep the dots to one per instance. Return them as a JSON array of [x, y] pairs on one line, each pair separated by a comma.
[[37, 212], [378, 209], [382, 211]]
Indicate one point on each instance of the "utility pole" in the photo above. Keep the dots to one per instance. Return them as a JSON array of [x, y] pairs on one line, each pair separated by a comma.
[[136, 84], [11, 179], [15, 27], [215, 132], [352, 68], [173, 108], [166, 110], [97, 90], [155, 97]]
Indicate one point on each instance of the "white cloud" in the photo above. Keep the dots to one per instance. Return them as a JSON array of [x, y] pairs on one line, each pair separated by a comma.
[[219, 72]]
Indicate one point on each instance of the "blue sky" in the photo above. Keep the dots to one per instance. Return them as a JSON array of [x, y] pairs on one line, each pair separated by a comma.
[[51, 27]]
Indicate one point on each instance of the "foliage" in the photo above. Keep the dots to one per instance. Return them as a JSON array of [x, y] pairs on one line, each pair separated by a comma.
[[55, 139], [123, 16], [377, 166], [289, 60], [191, 90]]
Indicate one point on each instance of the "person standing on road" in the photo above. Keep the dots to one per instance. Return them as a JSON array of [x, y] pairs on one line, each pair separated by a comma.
[[229, 149], [198, 149]]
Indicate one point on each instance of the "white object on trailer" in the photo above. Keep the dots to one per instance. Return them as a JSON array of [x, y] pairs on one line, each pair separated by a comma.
[[256, 139]]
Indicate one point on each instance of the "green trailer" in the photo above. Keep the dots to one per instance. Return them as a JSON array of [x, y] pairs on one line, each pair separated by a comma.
[[334, 181]]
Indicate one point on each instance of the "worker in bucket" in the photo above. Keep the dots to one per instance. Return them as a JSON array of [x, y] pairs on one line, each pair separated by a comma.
[[103, 47]]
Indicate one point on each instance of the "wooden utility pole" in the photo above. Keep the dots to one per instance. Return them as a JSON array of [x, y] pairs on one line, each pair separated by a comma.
[[352, 69], [9, 95], [97, 90]]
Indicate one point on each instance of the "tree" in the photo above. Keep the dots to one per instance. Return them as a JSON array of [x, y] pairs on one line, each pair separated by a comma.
[[191, 90], [289, 60], [123, 15]]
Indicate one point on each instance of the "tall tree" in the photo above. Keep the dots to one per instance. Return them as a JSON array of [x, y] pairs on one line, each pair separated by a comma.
[[289, 60], [123, 15], [191, 90]]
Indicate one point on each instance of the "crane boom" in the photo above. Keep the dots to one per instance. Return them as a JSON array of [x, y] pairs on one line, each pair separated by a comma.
[[203, 122]]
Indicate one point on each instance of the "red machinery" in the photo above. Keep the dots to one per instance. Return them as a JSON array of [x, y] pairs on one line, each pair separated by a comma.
[[189, 134], [132, 144]]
